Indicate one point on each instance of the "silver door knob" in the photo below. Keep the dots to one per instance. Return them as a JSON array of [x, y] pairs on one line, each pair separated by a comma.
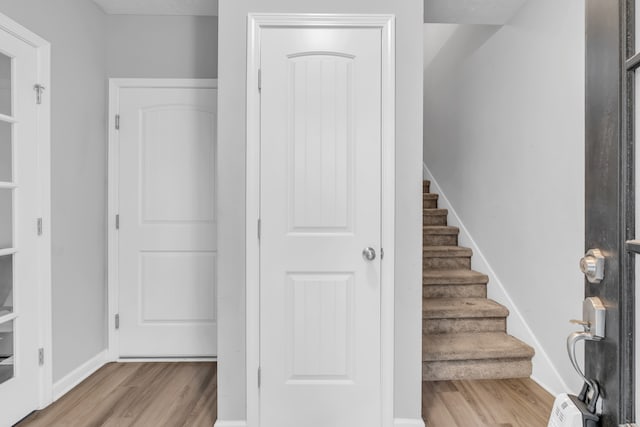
[[369, 254], [592, 265]]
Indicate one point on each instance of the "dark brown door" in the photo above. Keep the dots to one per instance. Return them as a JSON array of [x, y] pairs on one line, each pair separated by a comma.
[[609, 197]]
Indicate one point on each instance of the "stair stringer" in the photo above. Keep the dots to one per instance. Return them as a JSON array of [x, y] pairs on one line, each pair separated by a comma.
[[545, 372]]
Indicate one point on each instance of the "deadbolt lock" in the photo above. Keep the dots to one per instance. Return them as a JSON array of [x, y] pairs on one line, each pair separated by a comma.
[[592, 265]]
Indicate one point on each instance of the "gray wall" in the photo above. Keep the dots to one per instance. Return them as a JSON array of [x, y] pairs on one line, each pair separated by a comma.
[[162, 46], [77, 32], [231, 193], [504, 138]]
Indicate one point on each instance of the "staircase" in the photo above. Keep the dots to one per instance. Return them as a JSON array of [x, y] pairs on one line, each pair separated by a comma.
[[464, 333]]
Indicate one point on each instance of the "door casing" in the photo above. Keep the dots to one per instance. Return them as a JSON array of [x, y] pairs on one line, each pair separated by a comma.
[[115, 85], [255, 23]]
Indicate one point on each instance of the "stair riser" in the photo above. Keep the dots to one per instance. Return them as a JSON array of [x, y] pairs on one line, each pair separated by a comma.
[[445, 326], [429, 203], [476, 369], [454, 291], [434, 220], [440, 239], [426, 186], [446, 263]]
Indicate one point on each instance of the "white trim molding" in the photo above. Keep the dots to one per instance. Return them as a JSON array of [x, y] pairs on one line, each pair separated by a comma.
[[45, 332], [255, 24], [404, 422], [115, 85], [81, 373], [222, 423], [544, 371]]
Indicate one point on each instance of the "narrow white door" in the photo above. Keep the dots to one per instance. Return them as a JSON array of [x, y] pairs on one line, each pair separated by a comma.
[[19, 370], [320, 208], [167, 222]]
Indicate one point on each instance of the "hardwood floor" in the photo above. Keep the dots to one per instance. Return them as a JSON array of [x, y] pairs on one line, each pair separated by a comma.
[[185, 395], [485, 403], [137, 394]]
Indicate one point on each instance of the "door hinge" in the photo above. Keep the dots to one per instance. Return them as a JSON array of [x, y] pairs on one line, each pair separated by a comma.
[[117, 121], [259, 79], [259, 228], [259, 377], [39, 90], [117, 321], [381, 253], [41, 356], [39, 226], [118, 222]]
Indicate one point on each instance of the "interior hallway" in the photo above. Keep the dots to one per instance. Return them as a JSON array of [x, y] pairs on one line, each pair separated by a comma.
[[184, 394]]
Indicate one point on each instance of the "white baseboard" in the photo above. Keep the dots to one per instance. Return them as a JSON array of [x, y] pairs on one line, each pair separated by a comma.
[[405, 422], [82, 372], [544, 371], [222, 423]]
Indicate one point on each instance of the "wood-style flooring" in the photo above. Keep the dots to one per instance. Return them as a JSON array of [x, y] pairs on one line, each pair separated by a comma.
[[185, 395], [137, 394], [486, 403]]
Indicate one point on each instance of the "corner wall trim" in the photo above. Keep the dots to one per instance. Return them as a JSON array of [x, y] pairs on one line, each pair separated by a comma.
[[404, 422], [81, 373], [544, 371], [222, 423]]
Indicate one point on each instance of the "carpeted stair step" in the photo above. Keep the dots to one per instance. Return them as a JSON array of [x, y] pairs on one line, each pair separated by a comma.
[[454, 284], [439, 235], [429, 201], [473, 356], [446, 258], [457, 315], [426, 186], [434, 216]]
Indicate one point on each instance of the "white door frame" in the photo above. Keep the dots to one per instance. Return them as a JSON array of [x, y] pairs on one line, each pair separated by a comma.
[[45, 321], [115, 85], [256, 22]]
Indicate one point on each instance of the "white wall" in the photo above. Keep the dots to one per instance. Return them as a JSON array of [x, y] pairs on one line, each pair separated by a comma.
[[76, 30], [504, 138], [231, 193], [162, 46]]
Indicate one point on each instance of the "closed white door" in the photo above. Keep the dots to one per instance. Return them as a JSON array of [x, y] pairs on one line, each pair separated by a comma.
[[320, 208], [167, 222], [19, 370]]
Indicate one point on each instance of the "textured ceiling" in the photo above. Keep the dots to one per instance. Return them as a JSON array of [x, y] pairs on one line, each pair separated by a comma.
[[159, 7], [492, 12]]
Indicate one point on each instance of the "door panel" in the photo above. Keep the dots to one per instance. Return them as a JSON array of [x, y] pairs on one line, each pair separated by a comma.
[[167, 253], [19, 318], [609, 200], [320, 207]]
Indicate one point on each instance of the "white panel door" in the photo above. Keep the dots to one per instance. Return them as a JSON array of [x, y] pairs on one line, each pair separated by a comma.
[[167, 235], [19, 370], [320, 207]]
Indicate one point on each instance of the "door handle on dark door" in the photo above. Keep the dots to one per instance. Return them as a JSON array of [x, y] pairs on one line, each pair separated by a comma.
[[369, 253]]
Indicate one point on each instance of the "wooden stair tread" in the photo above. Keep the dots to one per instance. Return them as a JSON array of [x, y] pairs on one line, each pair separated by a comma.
[[458, 308], [474, 346], [429, 196], [453, 277], [445, 252]]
